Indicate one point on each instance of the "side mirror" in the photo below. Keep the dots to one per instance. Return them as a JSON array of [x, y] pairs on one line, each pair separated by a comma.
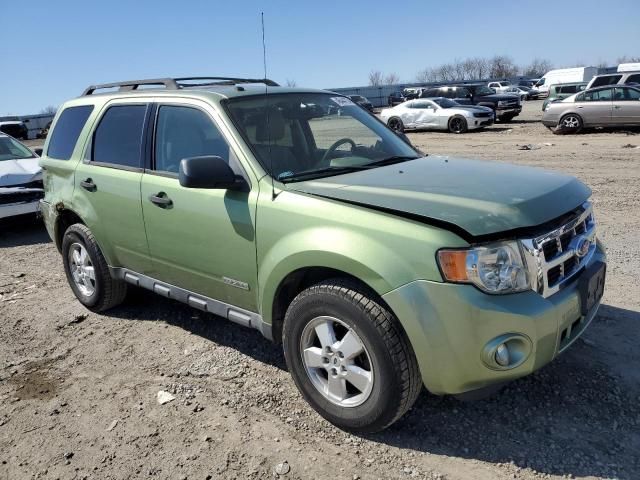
[[208, 171], [38, 151]]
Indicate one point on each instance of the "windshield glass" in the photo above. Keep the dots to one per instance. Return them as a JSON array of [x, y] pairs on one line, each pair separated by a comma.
[[484, 90], [11, 149], [445, 102], [314, 134]]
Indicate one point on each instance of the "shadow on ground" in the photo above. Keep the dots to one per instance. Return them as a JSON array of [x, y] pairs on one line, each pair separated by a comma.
[[23, 230], [571, 417]]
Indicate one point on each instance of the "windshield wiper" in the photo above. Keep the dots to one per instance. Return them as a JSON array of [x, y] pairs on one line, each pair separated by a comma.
[[319, 172], [389, 161]]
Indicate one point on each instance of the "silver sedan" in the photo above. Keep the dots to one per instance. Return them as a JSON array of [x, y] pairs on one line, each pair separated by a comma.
[[610, 106]]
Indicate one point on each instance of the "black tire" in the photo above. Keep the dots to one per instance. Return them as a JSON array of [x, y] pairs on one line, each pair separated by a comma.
[[396, 378], [395, 123], [108, 292], [458, 124], [569, 123], [506, 118]]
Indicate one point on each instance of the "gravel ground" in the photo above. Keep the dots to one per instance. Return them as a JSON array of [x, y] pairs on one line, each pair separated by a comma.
[[78, 391]]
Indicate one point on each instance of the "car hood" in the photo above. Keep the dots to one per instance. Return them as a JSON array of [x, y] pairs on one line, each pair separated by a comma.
[[479, 197], [19, 172]]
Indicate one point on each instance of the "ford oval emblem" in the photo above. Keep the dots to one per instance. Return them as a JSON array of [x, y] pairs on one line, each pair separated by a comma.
[[582, 247]]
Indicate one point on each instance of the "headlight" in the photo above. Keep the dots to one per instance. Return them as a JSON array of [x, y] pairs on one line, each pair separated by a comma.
[[496, 268]]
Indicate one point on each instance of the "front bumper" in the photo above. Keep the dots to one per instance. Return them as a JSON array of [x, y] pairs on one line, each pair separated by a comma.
[[501, 112], [450, 325], [16, 201]]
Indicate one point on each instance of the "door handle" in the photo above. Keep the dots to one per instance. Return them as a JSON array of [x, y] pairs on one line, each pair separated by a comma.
[[88, 185], [617, 106], [160, 199]]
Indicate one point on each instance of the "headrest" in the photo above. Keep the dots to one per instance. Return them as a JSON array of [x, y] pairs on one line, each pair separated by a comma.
[[275, 129]]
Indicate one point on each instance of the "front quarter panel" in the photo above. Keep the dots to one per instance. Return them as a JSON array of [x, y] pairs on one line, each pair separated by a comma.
[[297, 231]]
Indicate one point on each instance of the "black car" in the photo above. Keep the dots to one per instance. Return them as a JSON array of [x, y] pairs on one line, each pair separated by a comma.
[[15, 128], [505, 106], [396, 98], [362, 101]]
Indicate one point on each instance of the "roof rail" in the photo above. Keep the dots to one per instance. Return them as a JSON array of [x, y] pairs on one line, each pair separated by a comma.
[[176, 83]]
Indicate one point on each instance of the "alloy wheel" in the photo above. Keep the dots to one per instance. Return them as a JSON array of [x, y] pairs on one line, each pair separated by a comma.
[[82, 269], [336, 361]]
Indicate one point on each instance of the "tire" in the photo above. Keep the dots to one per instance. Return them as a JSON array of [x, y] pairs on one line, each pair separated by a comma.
[[569, 123], [395, 123], [506, 118], [388, 377], [458, 124], [99, 292]]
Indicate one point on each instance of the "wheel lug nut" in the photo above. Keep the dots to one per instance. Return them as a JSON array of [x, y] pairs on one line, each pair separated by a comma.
[[341, 355]]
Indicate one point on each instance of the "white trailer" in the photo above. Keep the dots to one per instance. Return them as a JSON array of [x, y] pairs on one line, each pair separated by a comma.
[[565, 75], [629, 67]]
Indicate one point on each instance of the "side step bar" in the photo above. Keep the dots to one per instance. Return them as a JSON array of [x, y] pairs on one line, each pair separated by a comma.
[[195, 300]]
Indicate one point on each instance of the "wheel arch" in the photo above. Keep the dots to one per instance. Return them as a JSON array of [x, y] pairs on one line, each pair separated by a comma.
[[64, 219]]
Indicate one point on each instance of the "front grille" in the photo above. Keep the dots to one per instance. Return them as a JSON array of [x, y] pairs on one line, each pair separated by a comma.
[[21, 197], [484, 114], [553, 259]]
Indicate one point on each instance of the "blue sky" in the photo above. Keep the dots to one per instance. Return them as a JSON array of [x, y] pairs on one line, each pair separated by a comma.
[[51, 50]]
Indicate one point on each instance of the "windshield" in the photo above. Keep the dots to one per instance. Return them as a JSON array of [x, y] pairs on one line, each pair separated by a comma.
[[445, 102], [11, 149], [301, 135], [483, 90]]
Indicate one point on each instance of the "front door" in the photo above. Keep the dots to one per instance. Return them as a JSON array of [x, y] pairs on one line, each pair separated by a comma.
[[204, 239], [594, 106], [626, 106], [107, 190]]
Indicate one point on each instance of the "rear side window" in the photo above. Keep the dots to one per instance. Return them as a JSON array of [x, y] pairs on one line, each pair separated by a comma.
[[67, 130], [118, 138], [609, 80], [633, 78]]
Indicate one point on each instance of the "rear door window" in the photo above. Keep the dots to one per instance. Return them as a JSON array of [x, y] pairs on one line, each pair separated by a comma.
[[118, 139], [633, 78], [67, 130], [627, 94], [608, 80]]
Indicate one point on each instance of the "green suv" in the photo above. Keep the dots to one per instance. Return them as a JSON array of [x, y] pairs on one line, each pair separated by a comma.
[[298, 213]]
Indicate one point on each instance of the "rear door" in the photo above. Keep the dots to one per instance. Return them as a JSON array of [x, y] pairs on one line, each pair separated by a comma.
[[204, 240], [626, 106], [595, 106], [107, 190]]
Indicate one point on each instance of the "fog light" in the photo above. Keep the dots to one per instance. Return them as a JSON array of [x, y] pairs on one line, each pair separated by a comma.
[[502, 355]]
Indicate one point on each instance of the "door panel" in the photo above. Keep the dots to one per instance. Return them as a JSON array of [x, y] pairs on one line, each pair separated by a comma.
[[203, 241], [596, 107], [626, 106]]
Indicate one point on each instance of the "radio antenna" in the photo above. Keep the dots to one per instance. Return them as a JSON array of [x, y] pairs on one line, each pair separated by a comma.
[[266, 108]]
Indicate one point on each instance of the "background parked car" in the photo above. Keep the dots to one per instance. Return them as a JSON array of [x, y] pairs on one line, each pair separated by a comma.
[[564, 75], [436, 113], [362, 101], [410, 93], [20, 178], [15, 128], [506, 107], [500, 87], [519, 91], [563, 90], [396, 98], [617, 106], [621, 78]]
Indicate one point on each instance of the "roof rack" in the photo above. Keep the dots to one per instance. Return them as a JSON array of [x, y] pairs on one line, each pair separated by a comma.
[[177, 83]]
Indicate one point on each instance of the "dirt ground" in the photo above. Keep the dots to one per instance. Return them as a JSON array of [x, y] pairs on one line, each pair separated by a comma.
[[78, 390]]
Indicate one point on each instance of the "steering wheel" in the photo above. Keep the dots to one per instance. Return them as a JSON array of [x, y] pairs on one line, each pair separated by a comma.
[[335, 146]]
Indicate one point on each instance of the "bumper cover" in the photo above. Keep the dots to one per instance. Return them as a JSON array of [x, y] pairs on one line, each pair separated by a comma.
[[450, 325]]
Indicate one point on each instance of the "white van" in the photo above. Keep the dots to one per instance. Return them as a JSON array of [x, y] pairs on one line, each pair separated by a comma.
[[629, 67], [564, 75]]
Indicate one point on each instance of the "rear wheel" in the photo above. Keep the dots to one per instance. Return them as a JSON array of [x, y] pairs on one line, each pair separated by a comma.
[[349, 356], [395, 123], [570, 123], [458, 124], [87, 271]]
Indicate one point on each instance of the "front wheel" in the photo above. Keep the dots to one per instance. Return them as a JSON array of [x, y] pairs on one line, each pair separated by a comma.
[[396, 124], [87, 271], [570, 123], [458, 124], [349, 356]]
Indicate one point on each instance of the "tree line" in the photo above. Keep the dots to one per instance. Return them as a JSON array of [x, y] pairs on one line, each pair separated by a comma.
[[479, 68]]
